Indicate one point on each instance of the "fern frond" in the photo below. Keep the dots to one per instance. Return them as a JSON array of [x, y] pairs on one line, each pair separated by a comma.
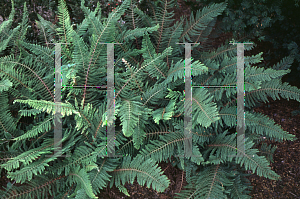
[[144, 170], [81, 177], [66, 108], [225, 150], [208, 183], [202, 19]]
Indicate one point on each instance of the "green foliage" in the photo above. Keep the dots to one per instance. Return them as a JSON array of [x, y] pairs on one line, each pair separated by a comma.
[[149, 105], [273, 21]]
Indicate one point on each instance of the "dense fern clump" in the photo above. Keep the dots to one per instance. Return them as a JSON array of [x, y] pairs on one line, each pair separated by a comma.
[[149, 72]]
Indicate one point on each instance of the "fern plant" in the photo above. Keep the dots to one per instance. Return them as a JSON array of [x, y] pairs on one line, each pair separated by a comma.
[[149, 106]]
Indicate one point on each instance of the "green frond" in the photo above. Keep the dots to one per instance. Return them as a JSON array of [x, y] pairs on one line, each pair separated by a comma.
[[284, 64], [164, 19], [240, 187], [100, 176], [202, 19], [27, 172], [49, 107], [28, 157], [81, 177], [143, 170], [132, 109], [164, 113], [259, 74], [5, 85], [177, 71], [272, 89], [24, 25], [208, 183], [65, 29], [160, 150], [132, 34], [204, 108], [123, 190], [43, 52], [225, 148], [39, 188], [4, 43], [6, 119], [43, 126], [267, 151], [40, 86], [48, 29]]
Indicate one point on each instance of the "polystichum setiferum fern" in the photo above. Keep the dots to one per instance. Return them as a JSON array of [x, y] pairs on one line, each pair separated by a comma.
[[149, 105]]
